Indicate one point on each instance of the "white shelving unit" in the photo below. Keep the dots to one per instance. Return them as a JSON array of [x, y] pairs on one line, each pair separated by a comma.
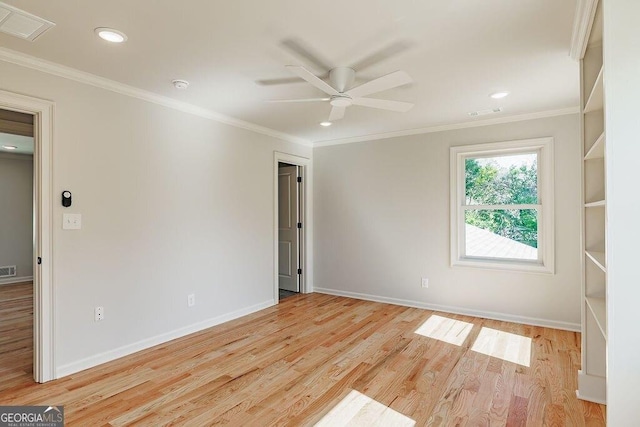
[[592, 377]]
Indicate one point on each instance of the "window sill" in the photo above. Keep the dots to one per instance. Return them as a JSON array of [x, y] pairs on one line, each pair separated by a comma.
[[492, 264]]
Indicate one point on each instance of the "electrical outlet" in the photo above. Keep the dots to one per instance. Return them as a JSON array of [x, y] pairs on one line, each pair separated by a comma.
[[98, 314], [191, 300], [425, 282]]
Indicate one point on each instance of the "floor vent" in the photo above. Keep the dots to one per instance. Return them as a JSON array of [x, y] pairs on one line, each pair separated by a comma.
[[22, 24], [7, 271]]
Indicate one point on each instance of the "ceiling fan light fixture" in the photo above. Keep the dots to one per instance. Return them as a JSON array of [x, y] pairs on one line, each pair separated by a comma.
[[499, 95], [325, 124], [341, 101], [111, 35]]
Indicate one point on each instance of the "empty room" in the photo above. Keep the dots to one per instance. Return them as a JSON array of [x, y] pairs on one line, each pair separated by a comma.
[[345, 213]]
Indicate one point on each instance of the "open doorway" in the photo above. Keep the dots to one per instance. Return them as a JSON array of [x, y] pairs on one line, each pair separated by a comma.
[[292, 225], [289, 229], [16, 244], [41, 112]]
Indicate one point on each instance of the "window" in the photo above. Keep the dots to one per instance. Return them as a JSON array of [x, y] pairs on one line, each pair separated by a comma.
[[502, 205]]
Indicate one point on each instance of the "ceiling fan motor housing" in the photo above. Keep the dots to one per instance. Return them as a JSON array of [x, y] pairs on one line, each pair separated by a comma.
[[341, 101]]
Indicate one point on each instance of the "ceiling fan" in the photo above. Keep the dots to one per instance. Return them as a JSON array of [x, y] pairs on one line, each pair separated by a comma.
[[341, 96]]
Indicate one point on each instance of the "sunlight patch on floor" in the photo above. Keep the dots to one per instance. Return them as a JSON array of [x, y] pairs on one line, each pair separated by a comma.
[[444, 329], [504, 345], [357, 410]]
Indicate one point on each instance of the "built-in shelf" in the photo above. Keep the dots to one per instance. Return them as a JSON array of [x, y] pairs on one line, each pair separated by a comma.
[[598, 306], [597, 149], [596, 204], [596, 98], [592, 381], [598, 259]]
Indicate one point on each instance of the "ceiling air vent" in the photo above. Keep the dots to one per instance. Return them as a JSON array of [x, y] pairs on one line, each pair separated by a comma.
[[485, 112], [21, 24], [7, 271]]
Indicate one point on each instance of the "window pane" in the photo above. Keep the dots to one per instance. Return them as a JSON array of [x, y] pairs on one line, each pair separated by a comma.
[[502, 233], [510, 179]]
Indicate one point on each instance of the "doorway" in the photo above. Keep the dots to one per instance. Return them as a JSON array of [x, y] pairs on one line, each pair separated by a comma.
[[41, 112], [16, 244], [292, 225], [289, 229]]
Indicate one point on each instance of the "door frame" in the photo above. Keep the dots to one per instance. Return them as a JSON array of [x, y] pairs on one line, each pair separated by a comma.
[[43, 292], [306, 200]]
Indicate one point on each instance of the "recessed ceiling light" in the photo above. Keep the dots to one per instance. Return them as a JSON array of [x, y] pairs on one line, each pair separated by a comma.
[[180, 84], [111, 35], [325, 124], [9, 147], [499, 95]]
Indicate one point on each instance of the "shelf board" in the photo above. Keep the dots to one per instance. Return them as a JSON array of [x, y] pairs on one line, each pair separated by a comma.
[[596, 204], [598, 259], [598, 307], [597, 149], [596, 98]]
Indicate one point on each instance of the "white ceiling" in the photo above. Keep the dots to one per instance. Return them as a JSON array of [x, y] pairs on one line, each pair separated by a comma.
[[457, 51]]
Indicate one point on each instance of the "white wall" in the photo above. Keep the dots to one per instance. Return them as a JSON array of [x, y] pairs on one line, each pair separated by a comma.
[[16, 214], [382, 222], [622, 92], [171, 204]]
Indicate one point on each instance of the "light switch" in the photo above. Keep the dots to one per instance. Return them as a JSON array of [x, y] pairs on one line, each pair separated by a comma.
[[71, 221]]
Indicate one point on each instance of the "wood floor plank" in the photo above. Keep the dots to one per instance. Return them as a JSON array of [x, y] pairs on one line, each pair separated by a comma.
[[291, 364], [16, 333]]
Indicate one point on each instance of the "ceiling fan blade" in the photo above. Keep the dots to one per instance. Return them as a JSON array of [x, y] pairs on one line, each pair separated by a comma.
[[312, 78], [298, 47], [395, 79], [336, 113], [281, 81], [381, 55], [384, 104], [299, 100]]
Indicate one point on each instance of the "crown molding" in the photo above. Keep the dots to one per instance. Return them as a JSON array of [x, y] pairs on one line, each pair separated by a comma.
[[454, 126], [28, 61], [582, 23]]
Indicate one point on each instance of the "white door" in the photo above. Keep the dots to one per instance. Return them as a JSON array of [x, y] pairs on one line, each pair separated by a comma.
[[288, 236]]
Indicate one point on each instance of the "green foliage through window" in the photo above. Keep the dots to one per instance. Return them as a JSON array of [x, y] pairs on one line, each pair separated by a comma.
[[494, 182]]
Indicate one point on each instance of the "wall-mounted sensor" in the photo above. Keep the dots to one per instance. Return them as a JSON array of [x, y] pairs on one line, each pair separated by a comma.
[[66, 198]]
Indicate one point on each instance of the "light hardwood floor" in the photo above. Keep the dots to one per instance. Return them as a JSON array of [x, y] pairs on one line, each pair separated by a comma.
[[293, 363], [16, 332]]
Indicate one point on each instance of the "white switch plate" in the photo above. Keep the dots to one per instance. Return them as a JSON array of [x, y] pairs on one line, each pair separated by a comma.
[[191, 300], [425, 282], [71, 221]]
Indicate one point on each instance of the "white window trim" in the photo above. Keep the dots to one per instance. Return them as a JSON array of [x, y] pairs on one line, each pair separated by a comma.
[[546, 239]]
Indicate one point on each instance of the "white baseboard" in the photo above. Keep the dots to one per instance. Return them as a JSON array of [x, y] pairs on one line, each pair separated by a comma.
[[119, 352], [592, 388], [12, 280], [575, 327]]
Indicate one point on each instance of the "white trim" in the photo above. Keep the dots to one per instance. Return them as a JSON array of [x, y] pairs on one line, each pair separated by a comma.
[[12, 280], [55, 69], [44, 296], [555, 324], [144, 344], [306, 285], [546, 223], [592, 388], [582, 23], [453, 126]]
